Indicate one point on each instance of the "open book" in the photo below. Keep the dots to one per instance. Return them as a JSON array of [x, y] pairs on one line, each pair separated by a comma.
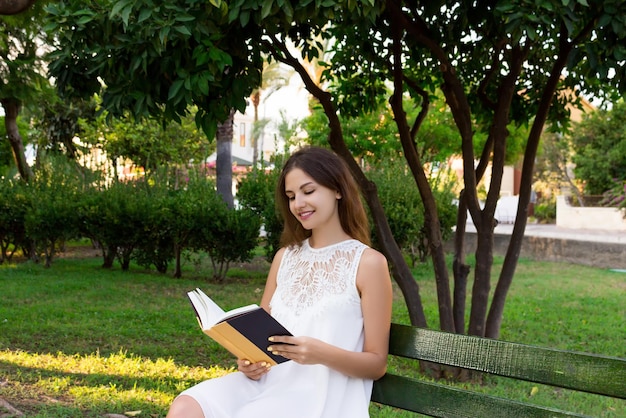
[[242, 331]]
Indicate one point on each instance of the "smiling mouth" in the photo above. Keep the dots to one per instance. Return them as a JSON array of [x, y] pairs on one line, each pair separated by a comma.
[[305, 215]]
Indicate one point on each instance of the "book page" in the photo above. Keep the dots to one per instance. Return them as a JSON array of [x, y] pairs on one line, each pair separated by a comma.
[[208, 311]]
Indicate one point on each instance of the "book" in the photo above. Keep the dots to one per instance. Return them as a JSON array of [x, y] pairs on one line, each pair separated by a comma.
[[243, 331]]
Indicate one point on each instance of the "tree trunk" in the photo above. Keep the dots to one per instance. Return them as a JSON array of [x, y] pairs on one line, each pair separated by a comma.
[[12, 110], [109, 252], [223, 164], [494, 319], [431, 218], [12, 7], [460, 268], [178, 271]]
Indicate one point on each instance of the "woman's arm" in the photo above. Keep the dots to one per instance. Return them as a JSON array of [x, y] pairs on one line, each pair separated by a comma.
[[374, 285], [270, 283]]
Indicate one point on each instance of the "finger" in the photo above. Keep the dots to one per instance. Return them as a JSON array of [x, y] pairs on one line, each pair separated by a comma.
[[284, 339]]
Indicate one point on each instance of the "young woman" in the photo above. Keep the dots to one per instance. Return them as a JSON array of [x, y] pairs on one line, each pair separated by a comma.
[[330, 289]]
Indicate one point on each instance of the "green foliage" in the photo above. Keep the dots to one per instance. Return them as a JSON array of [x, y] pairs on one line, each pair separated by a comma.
[[156, 246], [52, 217], [150, 144], [120, 220], [373, 135], [599, 144], [256, 192], [170, 56], [229, 235], [22, 74], [7, 162], [545, 209], [14, 204], [615, 196], [405, 210]]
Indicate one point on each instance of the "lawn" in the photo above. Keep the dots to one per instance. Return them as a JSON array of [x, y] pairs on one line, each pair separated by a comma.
[[80, 341]]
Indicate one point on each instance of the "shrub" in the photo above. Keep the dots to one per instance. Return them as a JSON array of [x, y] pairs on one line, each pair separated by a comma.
[[52, 218], [404, 209], [226, 235], [256, 192], [545, 210], [14, 203], [117, 219], [616, 196]]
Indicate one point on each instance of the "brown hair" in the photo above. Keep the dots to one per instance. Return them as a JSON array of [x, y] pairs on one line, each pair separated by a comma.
[[328, 170]]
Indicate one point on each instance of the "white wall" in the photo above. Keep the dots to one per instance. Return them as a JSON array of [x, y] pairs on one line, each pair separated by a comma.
[[588, 217]]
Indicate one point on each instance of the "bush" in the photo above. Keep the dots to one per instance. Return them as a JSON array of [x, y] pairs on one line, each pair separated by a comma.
[[545, 210], [404, 209], [156, 246], [616, 196], [14, 203], [226, 235], [52, 217], [256, 192], [118, 218]]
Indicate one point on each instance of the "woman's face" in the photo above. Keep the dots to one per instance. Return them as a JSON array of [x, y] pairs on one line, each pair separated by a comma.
[[312, 204]]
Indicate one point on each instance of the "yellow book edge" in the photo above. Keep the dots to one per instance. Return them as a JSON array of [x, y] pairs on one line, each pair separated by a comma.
[[237, 344]]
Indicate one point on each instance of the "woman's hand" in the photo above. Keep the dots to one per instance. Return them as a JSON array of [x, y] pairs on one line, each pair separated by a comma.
[[302, 350], [253, 371]]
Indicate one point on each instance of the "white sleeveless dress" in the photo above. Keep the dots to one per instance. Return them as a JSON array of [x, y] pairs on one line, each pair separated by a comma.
[[316, 296]]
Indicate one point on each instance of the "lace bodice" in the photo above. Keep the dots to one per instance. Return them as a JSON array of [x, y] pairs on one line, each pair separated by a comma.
[[310, 279]]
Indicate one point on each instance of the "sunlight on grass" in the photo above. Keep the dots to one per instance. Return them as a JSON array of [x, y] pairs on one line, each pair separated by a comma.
[[114, 382]]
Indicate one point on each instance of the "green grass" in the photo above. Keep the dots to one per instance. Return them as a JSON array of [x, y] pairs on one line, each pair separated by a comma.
[[80, 341]]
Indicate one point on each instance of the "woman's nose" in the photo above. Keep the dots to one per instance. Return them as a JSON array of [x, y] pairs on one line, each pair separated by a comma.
[[298, 200]]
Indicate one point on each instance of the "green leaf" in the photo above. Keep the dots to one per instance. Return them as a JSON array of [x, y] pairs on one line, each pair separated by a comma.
[[183, 29], [83, 20], [144, 14], [244, 18], [163, 34], [126, 14], [117, 7], [266, 9], [175, 89]]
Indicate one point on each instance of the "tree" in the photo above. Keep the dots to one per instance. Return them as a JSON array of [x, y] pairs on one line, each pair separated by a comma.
[[156, 61], [599, 145], [151, 145], [496, 63], [21, 74]]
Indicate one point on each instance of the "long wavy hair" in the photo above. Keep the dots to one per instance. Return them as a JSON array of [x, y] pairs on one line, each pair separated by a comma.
[[328, 170]]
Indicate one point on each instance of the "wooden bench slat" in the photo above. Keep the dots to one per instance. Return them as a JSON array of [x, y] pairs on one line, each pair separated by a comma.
[[438, 400], [584, 372]]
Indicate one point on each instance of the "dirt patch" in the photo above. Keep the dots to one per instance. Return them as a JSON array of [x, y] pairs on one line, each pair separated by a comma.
[[87, 251]]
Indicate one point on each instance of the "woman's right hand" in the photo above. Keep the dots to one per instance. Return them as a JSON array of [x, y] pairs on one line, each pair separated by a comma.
[[253, 371]]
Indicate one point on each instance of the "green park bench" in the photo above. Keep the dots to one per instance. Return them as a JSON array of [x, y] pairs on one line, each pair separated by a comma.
[[565, 369]]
